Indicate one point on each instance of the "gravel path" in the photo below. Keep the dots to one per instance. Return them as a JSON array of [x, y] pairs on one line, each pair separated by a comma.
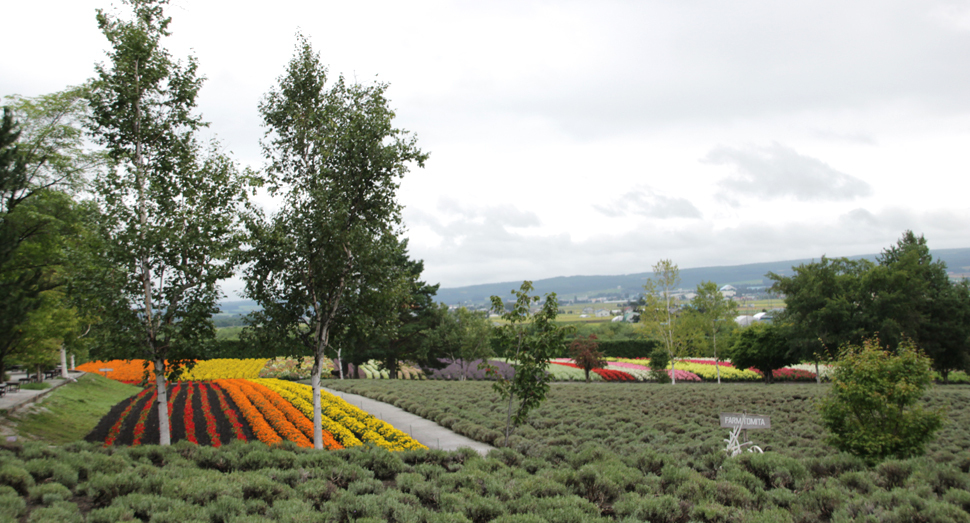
[[427, 432]]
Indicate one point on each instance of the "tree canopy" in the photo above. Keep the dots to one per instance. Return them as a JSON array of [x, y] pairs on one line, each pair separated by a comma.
[[171, 208], [327, 268]]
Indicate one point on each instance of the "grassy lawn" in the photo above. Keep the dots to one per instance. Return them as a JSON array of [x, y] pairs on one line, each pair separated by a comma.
[[71, 412]]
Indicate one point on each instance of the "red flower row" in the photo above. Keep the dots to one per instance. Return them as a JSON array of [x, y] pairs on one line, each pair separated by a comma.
[[189, 415], [116, 428], [210, 420], [143, 417], [607, 374]]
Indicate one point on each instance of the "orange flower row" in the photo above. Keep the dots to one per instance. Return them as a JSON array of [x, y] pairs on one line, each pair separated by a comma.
[[294, 416], [120, 370], [263, 431], [273, 416]]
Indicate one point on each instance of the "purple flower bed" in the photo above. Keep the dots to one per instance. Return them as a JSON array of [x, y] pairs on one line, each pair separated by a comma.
[[454, 371]]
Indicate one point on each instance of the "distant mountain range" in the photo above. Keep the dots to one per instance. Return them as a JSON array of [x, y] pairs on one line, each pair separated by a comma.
[[571, 287]]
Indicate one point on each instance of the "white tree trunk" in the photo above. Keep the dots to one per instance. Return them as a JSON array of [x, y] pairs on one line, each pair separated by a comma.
[[818, 376], [63, 362], [673, 371], [317, 406], [73, 367], [164, 432], [340, 363], [717, 366]]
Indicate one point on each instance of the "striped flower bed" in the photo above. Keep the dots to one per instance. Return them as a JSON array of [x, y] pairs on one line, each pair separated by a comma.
[[361, 425], [191, 415], [606, 374]]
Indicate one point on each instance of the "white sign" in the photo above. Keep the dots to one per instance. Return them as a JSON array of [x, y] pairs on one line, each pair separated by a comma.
[[745, 421]]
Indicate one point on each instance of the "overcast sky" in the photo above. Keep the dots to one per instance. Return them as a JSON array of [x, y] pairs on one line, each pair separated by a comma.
[[578, 138]]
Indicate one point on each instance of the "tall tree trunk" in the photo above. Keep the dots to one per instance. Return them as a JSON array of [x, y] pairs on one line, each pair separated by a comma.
[[164, 432], [340, 363], [717, 365], [317, 406], [818, 375], [63, 362], [673, 370], [508, 418]]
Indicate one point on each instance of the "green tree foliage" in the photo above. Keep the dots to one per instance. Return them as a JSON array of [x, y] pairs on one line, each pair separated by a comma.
[[42, 159], [659, 360], [763, 346], [585, 352], [327, 267], [910, 296], [717, 313], [872, 408], [464, 336], [824, 303], [412, 338], [530, 339], [659, 312], [171, 211], [906, 295]]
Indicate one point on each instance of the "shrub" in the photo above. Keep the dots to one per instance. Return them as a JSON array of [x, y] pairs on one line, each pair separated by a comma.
[[662, 509], [384, 464], [59, 512], [659, 361], [17, 478], [871, 410], [49, 493], [11, 507], [51, 468]]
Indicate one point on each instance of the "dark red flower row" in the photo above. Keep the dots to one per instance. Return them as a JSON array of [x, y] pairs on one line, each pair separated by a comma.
[[606, 374]]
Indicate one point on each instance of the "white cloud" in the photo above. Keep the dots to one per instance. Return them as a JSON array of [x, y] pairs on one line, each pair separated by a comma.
[[644, 201], [777, 171]]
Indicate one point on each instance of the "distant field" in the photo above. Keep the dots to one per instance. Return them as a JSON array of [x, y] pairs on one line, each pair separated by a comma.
[[754, 306], [228, 333]]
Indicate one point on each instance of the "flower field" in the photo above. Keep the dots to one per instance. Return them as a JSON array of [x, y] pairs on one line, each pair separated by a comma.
[[214, 413], [223, 400]]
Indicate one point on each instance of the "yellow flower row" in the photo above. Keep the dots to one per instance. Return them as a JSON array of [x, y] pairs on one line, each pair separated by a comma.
[[225, 369], [709, 372], [301, 396], [363, 425]]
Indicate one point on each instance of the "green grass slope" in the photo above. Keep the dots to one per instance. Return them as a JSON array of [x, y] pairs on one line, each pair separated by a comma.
[[71, 411]]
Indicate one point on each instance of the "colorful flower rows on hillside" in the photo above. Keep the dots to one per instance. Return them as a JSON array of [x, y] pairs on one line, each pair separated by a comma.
[[705, 369], [270, 410]]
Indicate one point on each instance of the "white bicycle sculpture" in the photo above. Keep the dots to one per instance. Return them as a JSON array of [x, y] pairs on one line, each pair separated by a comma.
[[735, 447]]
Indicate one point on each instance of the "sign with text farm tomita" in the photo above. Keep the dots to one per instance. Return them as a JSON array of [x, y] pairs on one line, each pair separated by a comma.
[[745, 421]]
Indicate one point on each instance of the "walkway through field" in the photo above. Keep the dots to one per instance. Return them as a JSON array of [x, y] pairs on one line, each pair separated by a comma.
[[427, 432]]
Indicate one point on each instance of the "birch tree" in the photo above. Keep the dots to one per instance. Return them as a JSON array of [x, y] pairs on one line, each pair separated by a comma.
[[326, 265], [717, 311], [171, 209], [659, 313]]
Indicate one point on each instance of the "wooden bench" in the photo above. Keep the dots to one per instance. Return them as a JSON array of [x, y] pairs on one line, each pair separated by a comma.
[[12, 386], [51, 374]]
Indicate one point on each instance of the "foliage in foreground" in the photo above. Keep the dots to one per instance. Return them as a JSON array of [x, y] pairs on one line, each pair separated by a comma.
[[872, 410], [252, 482]]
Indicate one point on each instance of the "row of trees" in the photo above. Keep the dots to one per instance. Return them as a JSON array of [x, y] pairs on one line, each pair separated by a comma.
[[905, 295], [686, 330], [138, 233]]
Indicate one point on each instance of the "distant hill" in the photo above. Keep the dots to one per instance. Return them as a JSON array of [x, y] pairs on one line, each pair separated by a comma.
[[568, 287]]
